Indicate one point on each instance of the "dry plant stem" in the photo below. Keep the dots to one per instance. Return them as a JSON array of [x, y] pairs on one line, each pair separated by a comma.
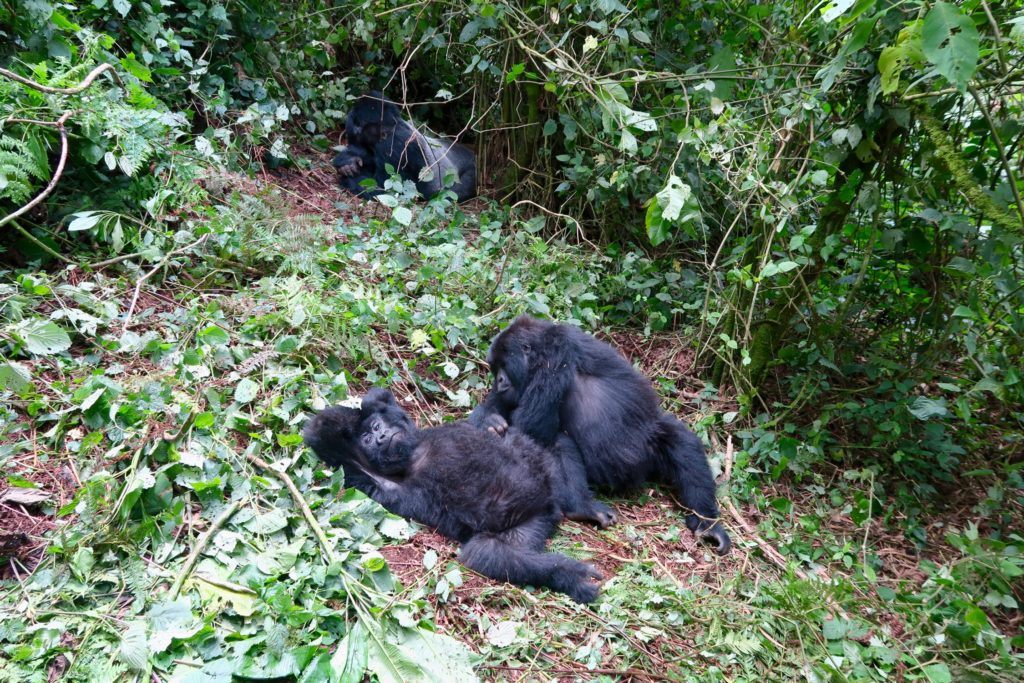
[[59, 125], [92, 76], [300, 502], [150, 273], [1011, 178], [201, 543], [39, 243]]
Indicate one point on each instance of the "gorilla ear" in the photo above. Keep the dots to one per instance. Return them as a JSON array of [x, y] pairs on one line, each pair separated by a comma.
[[376, 399]]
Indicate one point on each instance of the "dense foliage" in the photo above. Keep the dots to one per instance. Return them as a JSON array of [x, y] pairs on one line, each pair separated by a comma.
[[818, 205]]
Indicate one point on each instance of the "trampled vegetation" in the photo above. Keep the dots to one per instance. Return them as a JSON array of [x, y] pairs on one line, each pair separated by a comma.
[[804, 221]]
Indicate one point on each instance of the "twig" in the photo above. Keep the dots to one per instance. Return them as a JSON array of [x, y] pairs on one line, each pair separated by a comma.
[[727, 475], [59, 125], [93, 75], [770, 552], [39, 243], [193, 556], [150, 273], [300, 503]]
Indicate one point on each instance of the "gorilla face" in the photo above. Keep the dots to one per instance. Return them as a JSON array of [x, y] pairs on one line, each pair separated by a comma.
[[386, 436], [510, 357]]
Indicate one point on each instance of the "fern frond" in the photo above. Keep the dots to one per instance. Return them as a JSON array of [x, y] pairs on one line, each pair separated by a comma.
[[23, 165]]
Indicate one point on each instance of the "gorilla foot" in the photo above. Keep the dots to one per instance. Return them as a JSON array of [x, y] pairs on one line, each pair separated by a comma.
[[596, 513], [580, 581]]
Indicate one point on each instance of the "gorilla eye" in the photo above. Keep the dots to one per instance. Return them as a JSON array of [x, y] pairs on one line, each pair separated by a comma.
[[526, 348]]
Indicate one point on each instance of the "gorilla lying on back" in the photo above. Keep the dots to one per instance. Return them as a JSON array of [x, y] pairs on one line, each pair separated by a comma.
[[377, 136], [556, 383], [493, 495]]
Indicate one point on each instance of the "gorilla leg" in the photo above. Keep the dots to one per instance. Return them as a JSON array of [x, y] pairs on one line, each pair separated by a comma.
[[518, 556], [686, 468], [572, 493]]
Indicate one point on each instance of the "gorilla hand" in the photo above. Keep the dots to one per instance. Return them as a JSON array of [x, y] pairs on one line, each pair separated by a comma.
[[495, 424], [716, 537]]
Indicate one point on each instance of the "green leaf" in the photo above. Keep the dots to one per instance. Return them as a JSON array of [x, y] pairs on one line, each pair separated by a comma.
[[82, 563], [924, 408], [834, 629], [246, 390], [170, 620], [84, 220], [976, 618], [214, 336], [403, 215], [950, 41], [835, 9], [134, 648], [350, 659], [42, 337], [14, 376], [136, 68], [673, 197], [938, 673]]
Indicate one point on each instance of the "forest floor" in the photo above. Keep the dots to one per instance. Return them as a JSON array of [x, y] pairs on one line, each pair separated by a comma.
[[791, 601]]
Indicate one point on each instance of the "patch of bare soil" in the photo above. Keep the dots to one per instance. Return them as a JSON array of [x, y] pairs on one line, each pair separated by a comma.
[[650, 531], [27, 513]]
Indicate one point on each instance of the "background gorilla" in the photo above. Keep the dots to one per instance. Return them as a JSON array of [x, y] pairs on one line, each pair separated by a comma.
[[555, 381], [493, 495], [377, 135]]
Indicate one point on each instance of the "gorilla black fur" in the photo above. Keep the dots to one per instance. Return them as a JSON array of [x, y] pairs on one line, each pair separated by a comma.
[[555, 382], [377, 136], [493, 495]]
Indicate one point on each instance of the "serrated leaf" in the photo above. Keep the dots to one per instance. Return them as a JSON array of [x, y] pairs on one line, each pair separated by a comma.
[[134, 647], [14, 376], [170, 620], [503, 633], [402, 215], [42, 337], [938, 673], [429, 560], [950, 41], [397, 528], [924, 408], [246, 390]]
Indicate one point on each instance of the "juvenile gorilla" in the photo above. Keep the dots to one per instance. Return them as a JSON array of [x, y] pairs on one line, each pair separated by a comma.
[[377, 136], [493, 495], [557, 383]]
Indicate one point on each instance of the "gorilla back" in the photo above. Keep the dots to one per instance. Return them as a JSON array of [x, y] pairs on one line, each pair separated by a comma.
[[378, 136], [555, 382], [493, 495]]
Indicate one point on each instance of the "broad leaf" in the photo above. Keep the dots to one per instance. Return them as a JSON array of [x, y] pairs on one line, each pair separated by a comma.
[[134, 649], [14, 376], [42, 337], [950, 42]]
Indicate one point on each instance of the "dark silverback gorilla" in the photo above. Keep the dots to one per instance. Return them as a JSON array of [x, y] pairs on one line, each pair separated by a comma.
[[555, 382], [377, 135], [493, 495]]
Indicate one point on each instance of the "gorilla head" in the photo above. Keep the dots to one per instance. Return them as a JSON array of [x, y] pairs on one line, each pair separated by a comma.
[[378, 436]]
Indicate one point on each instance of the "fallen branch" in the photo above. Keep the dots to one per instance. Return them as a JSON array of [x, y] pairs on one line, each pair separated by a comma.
[[163, 262], [768, 549], [92, 76], [59, 125], [193, 556], [300, 503]]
